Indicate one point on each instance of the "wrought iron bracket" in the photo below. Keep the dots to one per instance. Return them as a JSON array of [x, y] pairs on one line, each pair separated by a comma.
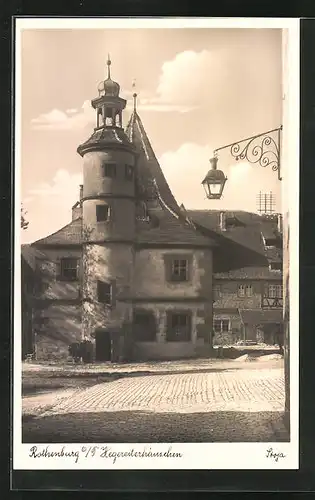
[[264, 149]]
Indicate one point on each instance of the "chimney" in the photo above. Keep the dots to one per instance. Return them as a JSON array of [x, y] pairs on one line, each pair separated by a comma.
[[280, 227], [222, 221], [77, 207]]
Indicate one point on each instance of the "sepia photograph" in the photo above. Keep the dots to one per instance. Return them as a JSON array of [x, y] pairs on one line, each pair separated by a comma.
[[153, 256]]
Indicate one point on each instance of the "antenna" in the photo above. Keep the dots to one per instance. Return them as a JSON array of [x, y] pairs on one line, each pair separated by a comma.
[[266, 203]]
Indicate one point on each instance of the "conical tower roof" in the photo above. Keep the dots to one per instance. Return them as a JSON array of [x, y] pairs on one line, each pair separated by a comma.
[[148, 167]]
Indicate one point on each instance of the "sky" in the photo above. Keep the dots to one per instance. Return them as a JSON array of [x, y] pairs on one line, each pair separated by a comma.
[[198, 89]]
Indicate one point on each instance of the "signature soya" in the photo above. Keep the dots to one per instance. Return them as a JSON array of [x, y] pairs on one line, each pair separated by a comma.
[[274, 455]]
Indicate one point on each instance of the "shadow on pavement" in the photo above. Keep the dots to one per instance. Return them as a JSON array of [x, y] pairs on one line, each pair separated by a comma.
[[145, 427]]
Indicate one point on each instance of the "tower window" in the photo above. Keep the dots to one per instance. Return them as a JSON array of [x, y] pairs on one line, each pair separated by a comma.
[[69, 269], [104, 292], [102, 213], [142, 212], [109, 170], [129, 172]]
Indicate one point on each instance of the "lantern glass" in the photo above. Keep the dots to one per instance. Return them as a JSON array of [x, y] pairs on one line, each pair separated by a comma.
[[214, 181]]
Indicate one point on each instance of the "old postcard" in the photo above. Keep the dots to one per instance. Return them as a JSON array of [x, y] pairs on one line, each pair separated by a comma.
[[156, 186]]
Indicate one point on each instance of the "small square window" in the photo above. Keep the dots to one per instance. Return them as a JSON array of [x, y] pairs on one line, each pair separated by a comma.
[[129, 172], [69, 269], [102, 213], [221, 325], [179, 270], [104, 292], [109, 170]]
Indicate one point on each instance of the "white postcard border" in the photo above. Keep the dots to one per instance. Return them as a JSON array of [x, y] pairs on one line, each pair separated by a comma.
[[193, 455]]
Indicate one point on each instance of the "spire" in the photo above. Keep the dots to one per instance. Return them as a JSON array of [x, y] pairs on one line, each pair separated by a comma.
[[134, 95], [148, 165], [109, 62]]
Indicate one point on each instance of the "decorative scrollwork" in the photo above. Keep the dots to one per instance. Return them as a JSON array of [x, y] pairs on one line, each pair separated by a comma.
[[262, 149]]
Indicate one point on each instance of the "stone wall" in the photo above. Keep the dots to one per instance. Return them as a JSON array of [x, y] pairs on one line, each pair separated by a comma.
[[150, 278], [163, 349], [56, 327]]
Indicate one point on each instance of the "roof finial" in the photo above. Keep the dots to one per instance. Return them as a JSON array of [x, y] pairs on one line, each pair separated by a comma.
[[109, 62], [135, 95]]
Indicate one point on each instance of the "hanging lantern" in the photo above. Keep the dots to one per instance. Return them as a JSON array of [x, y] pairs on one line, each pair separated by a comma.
[[214, 181]]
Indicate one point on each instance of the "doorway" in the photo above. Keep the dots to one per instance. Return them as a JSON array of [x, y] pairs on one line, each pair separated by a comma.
[[103, 346]]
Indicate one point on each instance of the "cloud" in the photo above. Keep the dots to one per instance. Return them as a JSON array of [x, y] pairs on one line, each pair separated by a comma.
[[186, 78], [48, 204], [72, 119], [182, 87], [64, 187]]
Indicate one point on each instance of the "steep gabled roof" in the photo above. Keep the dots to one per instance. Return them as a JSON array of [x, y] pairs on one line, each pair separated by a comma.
[[148, 167], [164, 228], [241, 246], [71, 234]]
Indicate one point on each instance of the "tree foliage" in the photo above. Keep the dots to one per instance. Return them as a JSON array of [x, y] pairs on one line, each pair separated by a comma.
[[24, 222]]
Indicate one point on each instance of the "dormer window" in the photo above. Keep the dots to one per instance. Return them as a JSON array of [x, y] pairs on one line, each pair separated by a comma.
[[102, 213], [270, 242], [142, 212], [109, 170], [129, 172], [275, 266]]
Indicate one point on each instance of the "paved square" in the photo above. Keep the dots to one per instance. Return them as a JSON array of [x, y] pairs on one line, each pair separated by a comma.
[[215, 405]]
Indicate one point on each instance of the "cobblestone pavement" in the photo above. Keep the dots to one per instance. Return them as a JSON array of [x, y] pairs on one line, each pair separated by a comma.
[[233, 405], [246, 390]]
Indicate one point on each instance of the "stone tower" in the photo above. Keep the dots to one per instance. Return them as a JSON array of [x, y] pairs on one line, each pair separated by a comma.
[[108, 226]]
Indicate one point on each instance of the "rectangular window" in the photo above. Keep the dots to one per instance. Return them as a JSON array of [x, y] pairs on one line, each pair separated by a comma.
[[69, 269], [217, 325], [179, 270], [275, 291], [225, 325], [275, 266], [102, 213], [144, 326], [221, 325], [270, 242], [104, 292], [129, 172], [245, 291], [217, 292], [178, 327], [109, 170]]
